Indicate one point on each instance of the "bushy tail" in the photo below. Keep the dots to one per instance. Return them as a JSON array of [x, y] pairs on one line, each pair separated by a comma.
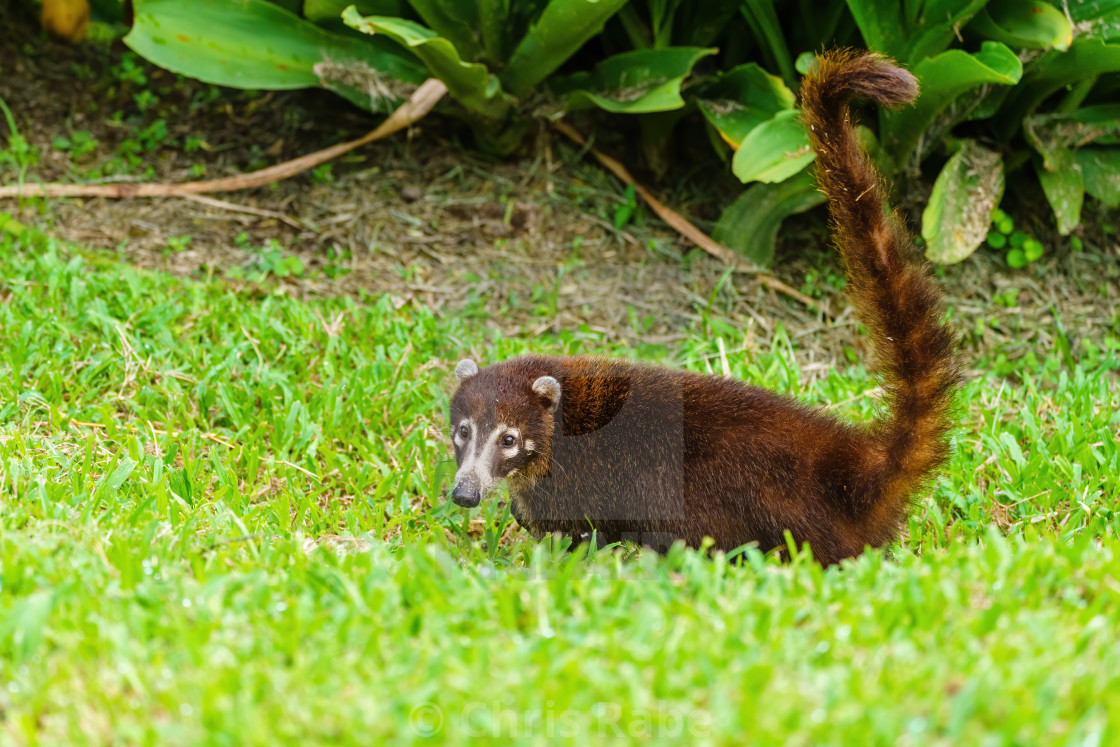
[[892, 291]]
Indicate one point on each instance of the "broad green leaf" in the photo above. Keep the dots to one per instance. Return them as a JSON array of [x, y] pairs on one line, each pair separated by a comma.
[[775, 150], [644, 80], [825, 29], [1052, 133], [457, 22], [750, 224], [1099, 19], [495, 26], [1054, 71], [650, 25], [255, 44], [323, 11], [638, 32], [1023, 24], [990, 104], [107, 11], [702, 24], [522, 15], [943, 79], [470, 83], [911, 31], [1064, 188], [1100, 170], [560, 31], [881, 24], [959, 213], [742, 99], [292, 6], [767, 30], [661, 15]]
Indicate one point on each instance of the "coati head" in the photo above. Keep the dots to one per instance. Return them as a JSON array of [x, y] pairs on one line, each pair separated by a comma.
[[501, 424]]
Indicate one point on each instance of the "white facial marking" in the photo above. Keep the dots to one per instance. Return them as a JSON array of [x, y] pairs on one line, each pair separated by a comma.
[[530, 445], [466, 467], [479, 462], [509, 451], [456, 437]]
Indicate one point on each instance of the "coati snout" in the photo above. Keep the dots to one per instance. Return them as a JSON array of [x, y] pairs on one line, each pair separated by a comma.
[[466, 493], [656, 455]]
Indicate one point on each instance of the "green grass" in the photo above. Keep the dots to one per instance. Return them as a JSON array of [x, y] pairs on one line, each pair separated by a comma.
[[221, 523]]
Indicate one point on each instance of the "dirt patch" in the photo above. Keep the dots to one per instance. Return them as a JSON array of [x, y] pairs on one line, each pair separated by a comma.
[[527, 245]]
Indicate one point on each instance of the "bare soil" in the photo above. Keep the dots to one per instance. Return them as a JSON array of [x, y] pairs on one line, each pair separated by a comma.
[[527, 244]]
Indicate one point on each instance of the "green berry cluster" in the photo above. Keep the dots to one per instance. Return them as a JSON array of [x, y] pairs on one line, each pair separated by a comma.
[[1021, 249]]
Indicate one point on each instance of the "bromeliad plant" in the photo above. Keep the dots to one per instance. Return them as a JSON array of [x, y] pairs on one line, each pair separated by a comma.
[[1005, 99], [1007, 85], [1043, 107], [493, 55]]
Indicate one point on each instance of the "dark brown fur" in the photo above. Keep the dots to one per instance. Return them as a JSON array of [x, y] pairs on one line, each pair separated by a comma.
[[657, 455]]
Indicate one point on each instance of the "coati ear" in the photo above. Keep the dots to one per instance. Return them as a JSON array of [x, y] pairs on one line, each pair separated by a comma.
[[465, 369], [549, 388]]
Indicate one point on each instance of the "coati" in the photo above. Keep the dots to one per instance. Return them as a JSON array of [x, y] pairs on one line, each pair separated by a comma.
[[656, 455]]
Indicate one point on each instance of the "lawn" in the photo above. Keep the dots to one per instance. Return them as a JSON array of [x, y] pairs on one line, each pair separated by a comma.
[[222, 522]]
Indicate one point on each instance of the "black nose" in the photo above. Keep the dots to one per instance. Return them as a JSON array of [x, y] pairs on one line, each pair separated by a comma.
[[466, 494]]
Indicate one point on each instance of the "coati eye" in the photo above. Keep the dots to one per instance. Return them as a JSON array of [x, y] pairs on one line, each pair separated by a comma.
[[464, 432], [508, 440]]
